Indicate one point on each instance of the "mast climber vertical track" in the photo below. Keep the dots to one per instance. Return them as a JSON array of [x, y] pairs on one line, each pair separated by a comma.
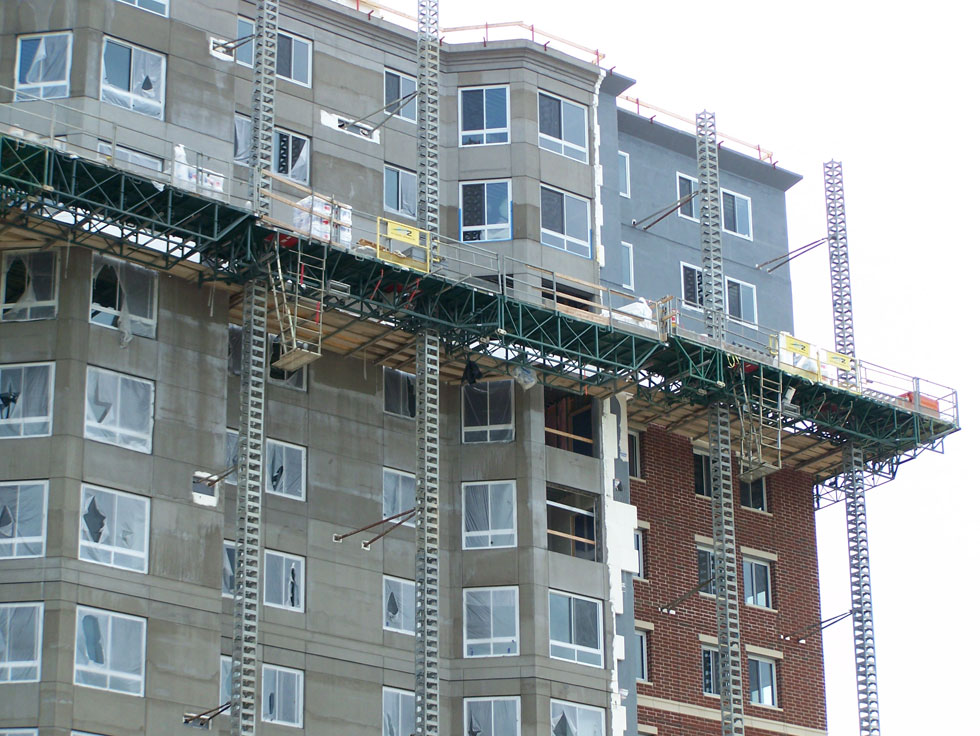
[[853, 459], [251, 427], [720, 439]]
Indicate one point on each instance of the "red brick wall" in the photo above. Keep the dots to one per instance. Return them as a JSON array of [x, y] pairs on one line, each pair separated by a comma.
[[665, 499]]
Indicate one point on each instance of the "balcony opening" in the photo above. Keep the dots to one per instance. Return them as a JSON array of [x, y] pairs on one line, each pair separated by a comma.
[[568, 422]]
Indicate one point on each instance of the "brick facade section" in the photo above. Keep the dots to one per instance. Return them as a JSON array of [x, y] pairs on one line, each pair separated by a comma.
[[665, 499]]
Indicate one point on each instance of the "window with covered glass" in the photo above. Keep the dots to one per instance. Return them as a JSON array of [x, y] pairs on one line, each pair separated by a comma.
[[489, 518], [29, 286], [114, 528], [43, 66], [23, 518], [490, 622], [110, 650], [488, 411], [26, 399], [124, 297], [133, 77]]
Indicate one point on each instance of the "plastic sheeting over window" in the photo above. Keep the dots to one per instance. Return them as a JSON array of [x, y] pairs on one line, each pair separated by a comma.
[[113, 528], [488, 411], [124, 297], [224, 688], [119, 410], [285, 469], [43, 66], [228, 564], [109, 650], [29, 286], [491, 716], [20, 642], [398, 494], [282, 696], [568, 719], [397, 713], [399, 393], [576, 630], [26, 397], [489, 518], [231, 456], [399, 605], [23, 518], [133, 78], [284, 580], [401, 191], [490, 622]]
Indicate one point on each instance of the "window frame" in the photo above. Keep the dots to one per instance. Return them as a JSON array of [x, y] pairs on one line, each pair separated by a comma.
[[286, 559], [406, 588], [639, 545], [710, 590], [764, 508], [147, 437], [577, 707], [224, 675], [743, 285], [492, 641], [408, 380], [579, 650], [714, 663], [7, 665], [112, 616], [113, 549], [232, 458], [137, 4], [106, 39], [402, 78], [699, 307], [402, 729], [624, 156], [643, 673], [43, 304], [574, 539], [399, 173], [634, 455], [278, 134], [489, 729], [226, 545], [491, 532], [748, 206], [300, 693], [628, 260], [484, 131], [566, 239], [20, 93], [267, 489], [19, 421], [486, 429], [704, 460], [142, 326], [695, 215], [309, 58], [774, 692], [485, 227], [750, 574], [16, 541], [250, 45], [288, 380], [562, 145], [385, 471]]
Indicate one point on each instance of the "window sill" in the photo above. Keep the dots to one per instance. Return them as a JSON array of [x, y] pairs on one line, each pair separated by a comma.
[[756, 511], [638, 478], [640, 579], [761, 608], [774, 708]]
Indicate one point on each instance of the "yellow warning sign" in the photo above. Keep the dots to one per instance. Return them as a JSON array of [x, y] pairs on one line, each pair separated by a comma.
[[403, 233], [839, 360], [797, 346]]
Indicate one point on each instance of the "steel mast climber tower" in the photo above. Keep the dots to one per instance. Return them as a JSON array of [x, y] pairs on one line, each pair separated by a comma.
[[427, 392], [720, 438], [251, 428], [855, 510]]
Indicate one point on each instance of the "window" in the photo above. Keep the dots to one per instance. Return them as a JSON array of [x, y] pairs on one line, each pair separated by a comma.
[[488, 411], [109, 650], [492, 716], [568, 422], [490, 627], [572, 523], [119, 410], [399, 393], [488, 514], [234, 350], [245, 54], [762, 681], [282, 695], [755, 578], [576, 628], [224, 687], [626, 265], [133, 78], [485, 210], [399, 605], [624, 174], [562, 127], [23, 518], [702, 475], [633, 454], [292, 153], [706, 571], [229, 561], [43, 66], [565, 222], [736, 214], [293, 54], [570, 719], [26, 398], [154, 6], [710, 671], [285, 469], [401, 191], [22, 732], [114, 528], [131, 156], [284, 580], [640, 644], [484, 116], [278, 376], [397, 87], [124, 297], [687, 189], [231, 456], [398, 494], [20, 642], [741, 301], [692, 286], [753, 495], [398, 712], [638, 546], [29, 286]]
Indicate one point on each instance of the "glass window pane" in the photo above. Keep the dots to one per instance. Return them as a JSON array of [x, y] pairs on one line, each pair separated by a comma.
[[573, 119], [472, 103], [552, 210], [496, 107], [549, 115]]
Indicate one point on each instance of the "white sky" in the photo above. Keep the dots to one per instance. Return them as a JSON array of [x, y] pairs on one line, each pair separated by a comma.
[[890, 90]]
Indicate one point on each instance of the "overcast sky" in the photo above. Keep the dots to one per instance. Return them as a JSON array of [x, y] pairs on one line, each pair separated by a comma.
[[890, 90]]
